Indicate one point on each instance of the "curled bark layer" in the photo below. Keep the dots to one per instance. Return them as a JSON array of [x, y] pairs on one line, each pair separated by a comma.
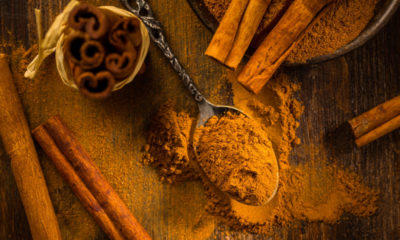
[[121, 65], [125, 31], [92, 20], [83, 51], [96, 85]]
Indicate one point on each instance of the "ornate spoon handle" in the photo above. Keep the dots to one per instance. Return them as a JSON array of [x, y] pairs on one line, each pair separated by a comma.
[[143, 11]]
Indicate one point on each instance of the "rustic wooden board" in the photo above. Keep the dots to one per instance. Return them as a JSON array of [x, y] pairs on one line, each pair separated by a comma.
[[332, 92]]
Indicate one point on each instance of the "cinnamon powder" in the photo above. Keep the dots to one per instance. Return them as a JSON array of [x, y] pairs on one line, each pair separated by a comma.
[[340, 24], [236, 154], [316, 190]]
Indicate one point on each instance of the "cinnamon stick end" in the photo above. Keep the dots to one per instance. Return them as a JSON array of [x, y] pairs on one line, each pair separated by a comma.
[[254, 85], [210, 52], [353, 125], [96, 86]]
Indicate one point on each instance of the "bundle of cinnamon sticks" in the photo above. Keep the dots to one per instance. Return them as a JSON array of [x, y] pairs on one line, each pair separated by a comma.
[[101, 48], [236, 30], [239, 25]]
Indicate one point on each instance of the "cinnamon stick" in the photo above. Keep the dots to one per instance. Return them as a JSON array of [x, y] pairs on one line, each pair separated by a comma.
[[224, 37], [248, 27], [95, 85], [124, 32], [17, 141], [90, 175], [92, 20], [375, 117], [74, 181], [83, 51], [378, 132], [121, 65], [279, 43]]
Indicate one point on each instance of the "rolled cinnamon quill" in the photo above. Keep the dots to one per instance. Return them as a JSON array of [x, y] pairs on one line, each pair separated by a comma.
[[95, 85], [16, 138], [247, 29], [376, 122], [124, 32], [92, 20], [83, 51], [378, 132], [75, 182], [280, 42], [87, 182], [121, 65], [375, 117], [224, 37]]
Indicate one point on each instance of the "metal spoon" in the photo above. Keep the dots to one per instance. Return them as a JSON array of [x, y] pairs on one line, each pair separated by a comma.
[[206, 108]]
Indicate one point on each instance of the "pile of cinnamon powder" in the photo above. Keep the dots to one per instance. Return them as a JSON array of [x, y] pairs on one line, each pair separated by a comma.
[[236, 154], [316, 190]]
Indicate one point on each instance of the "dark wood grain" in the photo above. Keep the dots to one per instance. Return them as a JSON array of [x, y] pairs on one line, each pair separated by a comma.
[[332, 92]]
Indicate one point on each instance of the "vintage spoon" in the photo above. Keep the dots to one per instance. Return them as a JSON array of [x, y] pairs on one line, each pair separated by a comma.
[[206, 108]]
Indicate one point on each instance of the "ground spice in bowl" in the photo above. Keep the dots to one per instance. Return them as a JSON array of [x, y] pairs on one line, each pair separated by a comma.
[[251, 174], [340, 24]]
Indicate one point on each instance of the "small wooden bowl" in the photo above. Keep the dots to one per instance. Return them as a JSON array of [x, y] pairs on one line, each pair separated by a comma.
[[386, 11]]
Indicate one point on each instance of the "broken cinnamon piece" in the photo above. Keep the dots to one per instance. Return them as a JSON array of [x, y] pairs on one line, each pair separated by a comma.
[[123, 31], [87, 53], [96, 86], [90, 19], [280, 42], [248, 27], [121, 65], [223, 39]]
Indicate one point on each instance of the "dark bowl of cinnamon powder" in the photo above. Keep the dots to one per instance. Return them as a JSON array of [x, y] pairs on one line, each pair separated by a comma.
[[345, 26]]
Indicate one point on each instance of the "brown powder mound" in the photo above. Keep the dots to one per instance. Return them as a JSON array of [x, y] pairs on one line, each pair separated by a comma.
[[341, 23], [167, 144], [237, 156]]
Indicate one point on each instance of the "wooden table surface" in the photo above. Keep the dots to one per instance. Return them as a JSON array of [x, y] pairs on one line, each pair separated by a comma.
[[113, 130]]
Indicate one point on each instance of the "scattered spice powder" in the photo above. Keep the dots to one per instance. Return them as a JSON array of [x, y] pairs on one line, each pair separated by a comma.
[[168, 143], [341, 23], [236, 154], [316, 190]]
